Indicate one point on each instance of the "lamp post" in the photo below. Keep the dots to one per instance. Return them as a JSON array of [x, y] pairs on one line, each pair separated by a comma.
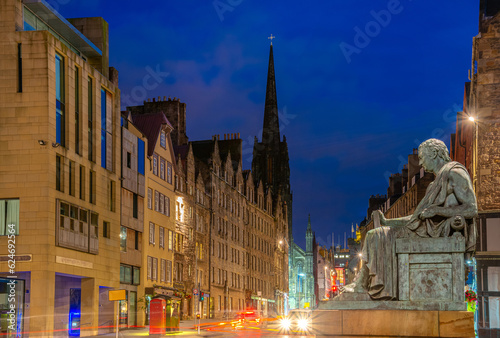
[[326, 287], [474, 152]]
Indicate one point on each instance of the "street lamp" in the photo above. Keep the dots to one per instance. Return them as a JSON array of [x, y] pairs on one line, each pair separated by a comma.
[[474, 152]]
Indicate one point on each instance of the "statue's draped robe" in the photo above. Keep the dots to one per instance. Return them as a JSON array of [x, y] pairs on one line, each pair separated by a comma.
[[379, 251]]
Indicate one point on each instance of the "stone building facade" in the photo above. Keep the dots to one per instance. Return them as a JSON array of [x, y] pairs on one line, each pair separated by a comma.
[[303, 285], [234, 227], [476, 144], [60, 190]]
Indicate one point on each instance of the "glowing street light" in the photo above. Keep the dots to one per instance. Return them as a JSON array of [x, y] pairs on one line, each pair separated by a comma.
[[471, 118]]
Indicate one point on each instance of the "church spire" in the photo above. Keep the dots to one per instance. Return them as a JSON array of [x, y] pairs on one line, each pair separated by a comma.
[[271, 129], [309, 223]]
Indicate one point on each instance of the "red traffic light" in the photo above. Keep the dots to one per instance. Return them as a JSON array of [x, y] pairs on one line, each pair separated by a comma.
[[334, 288]]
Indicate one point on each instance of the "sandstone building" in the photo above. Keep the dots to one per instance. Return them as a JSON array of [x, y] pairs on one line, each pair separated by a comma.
[[233, 224], [476, 144], [60, 190]]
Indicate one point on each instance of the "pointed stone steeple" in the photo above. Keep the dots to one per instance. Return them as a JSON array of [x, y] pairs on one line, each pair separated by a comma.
[[271, 128], [309, 236]]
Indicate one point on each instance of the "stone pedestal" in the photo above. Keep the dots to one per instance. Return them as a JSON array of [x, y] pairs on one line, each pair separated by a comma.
[[399, 323], [431, 269]]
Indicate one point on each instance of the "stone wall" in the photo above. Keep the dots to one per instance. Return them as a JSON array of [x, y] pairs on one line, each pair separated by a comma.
[[485, 107]]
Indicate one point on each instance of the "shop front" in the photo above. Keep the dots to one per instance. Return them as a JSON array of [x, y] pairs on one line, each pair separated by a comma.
[[11, 307]]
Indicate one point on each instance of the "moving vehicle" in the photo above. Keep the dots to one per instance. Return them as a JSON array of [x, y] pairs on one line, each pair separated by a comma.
[[298, 320]]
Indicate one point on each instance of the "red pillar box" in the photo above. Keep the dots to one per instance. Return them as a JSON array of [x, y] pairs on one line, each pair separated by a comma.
[[157, 316]]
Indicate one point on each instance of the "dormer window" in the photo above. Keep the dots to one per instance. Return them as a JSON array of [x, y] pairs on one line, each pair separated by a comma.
[[163, 139]]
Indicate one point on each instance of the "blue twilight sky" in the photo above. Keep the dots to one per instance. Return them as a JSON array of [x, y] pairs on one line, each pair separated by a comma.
[[360, 82]]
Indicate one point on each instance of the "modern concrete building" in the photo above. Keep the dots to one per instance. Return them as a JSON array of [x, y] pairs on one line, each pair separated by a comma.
[[133, 150], [60, 183]]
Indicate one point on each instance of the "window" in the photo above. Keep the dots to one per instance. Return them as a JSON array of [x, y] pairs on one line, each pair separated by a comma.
[[163, 139], [60, 101], [129, 160], [74, 228], [82, 182], [140, 156], [106, 230], [136, 240], [178, 271], [162, 168], [9, 216], [155, 164], [123, 239], [150, 267], [59, 173], [162, 237], [163, 268], [170, 240], [135, 205], [157, 201], [111, 195], [77, 111], [162, 204], [126, 274], [169, 271], [137, 276], [90, 122], [178, 242], [151, 233], [106, 130], [155, 269], [92, 183], [169, 172], [20, 67], [150, 198], [167, 206]]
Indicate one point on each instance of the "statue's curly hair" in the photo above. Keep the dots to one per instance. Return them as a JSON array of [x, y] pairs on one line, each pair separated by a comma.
[[437, 145]]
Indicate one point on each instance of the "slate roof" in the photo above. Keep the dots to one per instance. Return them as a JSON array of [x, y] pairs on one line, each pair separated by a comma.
[[151, 125]]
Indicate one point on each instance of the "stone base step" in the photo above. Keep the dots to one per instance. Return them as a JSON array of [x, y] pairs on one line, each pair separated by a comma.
[[392, 323]]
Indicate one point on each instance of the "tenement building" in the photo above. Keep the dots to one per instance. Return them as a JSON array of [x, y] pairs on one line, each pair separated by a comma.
[[60, 190], [476, 144], [231, 225]]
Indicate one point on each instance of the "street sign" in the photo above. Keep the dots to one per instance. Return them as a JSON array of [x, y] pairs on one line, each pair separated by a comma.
[[195, 292], [117, 295]]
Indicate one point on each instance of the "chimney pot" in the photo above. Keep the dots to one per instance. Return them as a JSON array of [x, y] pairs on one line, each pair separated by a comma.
[[238, 136], [149, 100], [164, 98], [175, 99], [169, 98], [154, 100]]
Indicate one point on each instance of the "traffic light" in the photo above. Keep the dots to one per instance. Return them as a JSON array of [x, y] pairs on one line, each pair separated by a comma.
[[202, 296], [334, 288]]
